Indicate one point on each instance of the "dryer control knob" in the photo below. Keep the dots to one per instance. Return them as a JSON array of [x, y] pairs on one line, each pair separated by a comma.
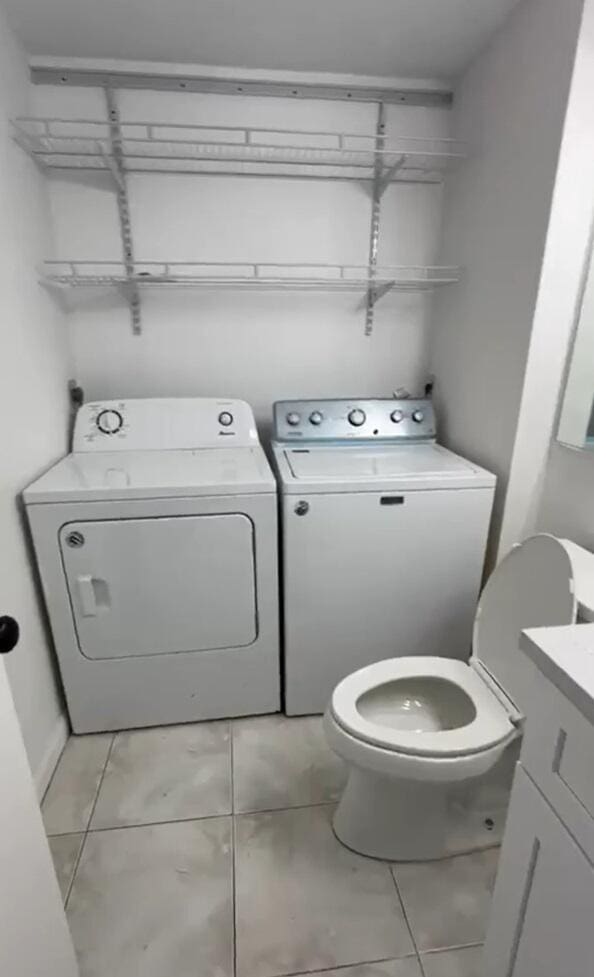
[[316, 417], [397, 416], [225, 418], [357, 417], [418, 416], [293, 418], [109, 421]]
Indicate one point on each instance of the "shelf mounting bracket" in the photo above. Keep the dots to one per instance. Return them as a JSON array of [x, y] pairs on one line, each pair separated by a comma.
[[111, 166], [376, 198], [117, 168], [388, 173], [380, 290]]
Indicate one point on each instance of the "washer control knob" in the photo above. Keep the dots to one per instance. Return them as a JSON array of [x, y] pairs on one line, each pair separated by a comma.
[[357, 417], [316, 417], [293, 418], [397, 416], [418, 416], [109, 421], [225, 418]]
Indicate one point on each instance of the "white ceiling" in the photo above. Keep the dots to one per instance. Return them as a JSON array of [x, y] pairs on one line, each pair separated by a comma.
[[414, 38]]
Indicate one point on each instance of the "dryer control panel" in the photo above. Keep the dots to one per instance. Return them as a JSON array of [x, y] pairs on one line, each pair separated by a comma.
[[162, 423], [411, 419]]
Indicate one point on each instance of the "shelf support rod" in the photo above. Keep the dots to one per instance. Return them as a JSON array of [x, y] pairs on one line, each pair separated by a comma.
[[376, 197], [119, 174]]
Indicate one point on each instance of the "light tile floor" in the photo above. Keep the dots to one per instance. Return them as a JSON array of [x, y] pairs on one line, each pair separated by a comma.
[[207, 851]]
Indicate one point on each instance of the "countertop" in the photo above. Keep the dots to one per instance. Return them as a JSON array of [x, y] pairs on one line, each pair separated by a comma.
[[565, 655]]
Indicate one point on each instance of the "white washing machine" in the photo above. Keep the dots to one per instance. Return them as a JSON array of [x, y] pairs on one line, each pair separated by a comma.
[[156, 541], [383, 540]]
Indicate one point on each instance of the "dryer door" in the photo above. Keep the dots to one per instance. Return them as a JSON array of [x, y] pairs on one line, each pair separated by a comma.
[[163, 585]]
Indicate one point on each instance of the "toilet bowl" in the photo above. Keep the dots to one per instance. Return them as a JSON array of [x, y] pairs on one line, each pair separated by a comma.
[[431, 742]]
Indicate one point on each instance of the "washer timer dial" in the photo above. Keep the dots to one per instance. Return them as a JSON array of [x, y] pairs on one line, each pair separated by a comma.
[[109, 421]]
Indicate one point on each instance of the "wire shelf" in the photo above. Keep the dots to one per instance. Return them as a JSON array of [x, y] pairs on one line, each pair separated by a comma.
[[232, 150], [272, 276]]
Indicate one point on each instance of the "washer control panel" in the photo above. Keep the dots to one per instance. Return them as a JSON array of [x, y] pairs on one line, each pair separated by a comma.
[[346, 420], [163, 423]]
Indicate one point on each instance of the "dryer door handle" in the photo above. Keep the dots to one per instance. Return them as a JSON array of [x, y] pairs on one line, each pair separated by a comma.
[[86, 594]]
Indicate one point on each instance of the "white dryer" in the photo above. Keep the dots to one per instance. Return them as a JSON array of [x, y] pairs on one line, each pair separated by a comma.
[[156, 541], [383, 540]]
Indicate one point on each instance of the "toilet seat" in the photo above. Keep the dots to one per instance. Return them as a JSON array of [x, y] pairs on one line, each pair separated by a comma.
[[532, 586], [491, 724]]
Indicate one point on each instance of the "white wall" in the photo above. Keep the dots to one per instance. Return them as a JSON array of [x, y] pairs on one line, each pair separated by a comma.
[[34, 411], [510, 107], [261, 347], [566, 503]]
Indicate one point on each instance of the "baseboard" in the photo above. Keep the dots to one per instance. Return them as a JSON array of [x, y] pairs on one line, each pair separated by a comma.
[[46, 766]]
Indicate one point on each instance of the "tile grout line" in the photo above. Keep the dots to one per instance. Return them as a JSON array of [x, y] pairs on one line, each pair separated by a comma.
[[452, 949], [86, 831], [74, 870], [406, 920], [290, 807], [346, 966], [233, 868], [54, 771], [100, 784], [152, 824], [204, 817]]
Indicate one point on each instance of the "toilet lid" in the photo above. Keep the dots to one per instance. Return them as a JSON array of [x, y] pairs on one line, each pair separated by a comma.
[[532, 587]]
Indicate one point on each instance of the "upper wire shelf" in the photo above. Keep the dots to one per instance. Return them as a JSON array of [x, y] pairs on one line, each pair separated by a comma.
[[234, 150], [275, 276]]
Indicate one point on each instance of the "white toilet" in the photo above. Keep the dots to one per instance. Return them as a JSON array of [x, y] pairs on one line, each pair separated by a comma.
[[432, 742]]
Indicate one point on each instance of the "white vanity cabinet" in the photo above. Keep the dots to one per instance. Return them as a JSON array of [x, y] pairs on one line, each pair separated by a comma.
[[542, 920]]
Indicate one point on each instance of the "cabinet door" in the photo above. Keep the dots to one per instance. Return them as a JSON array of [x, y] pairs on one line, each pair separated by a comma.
[[543, 908]]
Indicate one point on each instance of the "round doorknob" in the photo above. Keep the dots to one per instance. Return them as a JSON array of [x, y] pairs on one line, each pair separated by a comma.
[[9, 634]]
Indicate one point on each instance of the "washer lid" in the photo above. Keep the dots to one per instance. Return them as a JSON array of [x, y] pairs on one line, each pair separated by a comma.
[[98, 476], [532, 587], [377, 466]]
